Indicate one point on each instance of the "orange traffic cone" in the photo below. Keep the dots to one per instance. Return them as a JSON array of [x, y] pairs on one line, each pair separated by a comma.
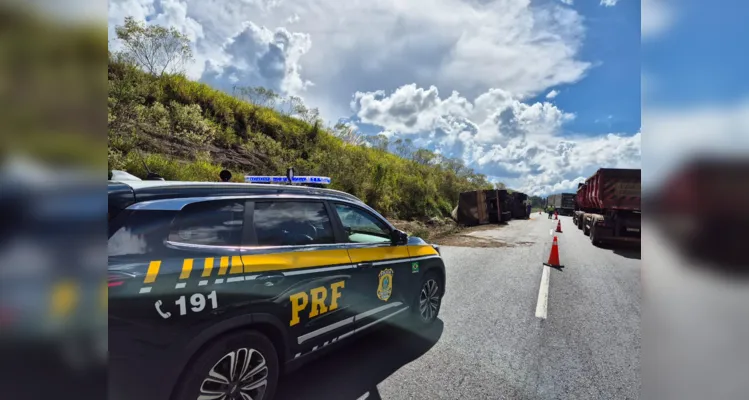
[[559, 226], [555, 215], [554, 255]]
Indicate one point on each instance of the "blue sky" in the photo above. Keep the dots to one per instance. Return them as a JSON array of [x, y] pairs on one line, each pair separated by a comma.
[[608, 98], [695, 92], [469, 79], [702, 58]]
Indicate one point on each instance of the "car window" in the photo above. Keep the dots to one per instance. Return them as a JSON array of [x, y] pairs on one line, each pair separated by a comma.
[[292, 223], [210, 223], [361, 226], [142, 232]]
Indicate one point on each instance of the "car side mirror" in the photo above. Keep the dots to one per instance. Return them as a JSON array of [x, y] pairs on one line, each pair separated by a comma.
[[398, 237]]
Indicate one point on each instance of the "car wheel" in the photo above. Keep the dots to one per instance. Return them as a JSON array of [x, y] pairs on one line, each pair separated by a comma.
[[427, 304], [238, 366]]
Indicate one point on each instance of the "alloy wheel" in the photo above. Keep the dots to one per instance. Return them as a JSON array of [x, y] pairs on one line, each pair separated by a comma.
[[240, 375], [429, 300]]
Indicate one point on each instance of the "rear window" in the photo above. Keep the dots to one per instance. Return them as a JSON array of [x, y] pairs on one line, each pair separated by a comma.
[[139, 233], [292, 223]]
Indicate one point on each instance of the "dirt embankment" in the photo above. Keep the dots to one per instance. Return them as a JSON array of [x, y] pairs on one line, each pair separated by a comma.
[[446, 232]]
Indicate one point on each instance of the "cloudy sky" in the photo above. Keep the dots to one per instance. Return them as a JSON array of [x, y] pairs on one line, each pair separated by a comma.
[[537, 94], [695, 89]]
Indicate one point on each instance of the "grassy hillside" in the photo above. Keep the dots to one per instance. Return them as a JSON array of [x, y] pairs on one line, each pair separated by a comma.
[[189, 131]]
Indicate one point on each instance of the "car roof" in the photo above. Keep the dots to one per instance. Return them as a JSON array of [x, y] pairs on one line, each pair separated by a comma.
[[157, 190]]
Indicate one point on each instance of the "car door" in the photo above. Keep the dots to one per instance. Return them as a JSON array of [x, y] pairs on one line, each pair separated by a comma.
[[385, 277], [169, 266], [300, 273]]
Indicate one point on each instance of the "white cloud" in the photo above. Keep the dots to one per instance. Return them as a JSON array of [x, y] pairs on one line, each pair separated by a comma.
[[673, 136], [292, 19], [523, 47], [552, 94], [369, 49], [497, 134], [609, 3], [657, 16], [568, 2], [257, 56]]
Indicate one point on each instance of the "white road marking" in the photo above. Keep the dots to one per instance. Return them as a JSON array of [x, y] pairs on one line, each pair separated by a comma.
[[145, 290], [180, 285], [235, 279], [543, 294], [202, 283], [551, 231]]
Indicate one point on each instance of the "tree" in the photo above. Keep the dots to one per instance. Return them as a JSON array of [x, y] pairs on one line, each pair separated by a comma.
[[404, 148], [499, 186], [423, 156], [380, 142], [348, 134], [156, 49]]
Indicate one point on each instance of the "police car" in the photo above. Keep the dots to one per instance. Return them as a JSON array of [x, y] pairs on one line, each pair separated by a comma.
[[215, 289]]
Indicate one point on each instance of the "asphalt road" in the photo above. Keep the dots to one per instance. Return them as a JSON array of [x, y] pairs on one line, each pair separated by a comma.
[[488, 342]]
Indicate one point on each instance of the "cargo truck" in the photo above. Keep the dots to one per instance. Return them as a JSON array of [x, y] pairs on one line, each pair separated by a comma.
[[608, 206], [563, 203]]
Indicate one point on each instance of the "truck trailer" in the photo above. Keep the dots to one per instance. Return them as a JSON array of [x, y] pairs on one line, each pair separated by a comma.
[[608, 206], [563, 203], [519, 202]]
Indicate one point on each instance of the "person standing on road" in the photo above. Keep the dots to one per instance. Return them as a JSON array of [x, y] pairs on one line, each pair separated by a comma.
[[550, 211]]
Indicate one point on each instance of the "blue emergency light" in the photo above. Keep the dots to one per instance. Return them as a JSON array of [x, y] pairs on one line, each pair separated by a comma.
[[320, 180]]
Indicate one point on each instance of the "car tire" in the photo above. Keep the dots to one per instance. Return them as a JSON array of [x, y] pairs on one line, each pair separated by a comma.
[[431, 290], [249, 351]]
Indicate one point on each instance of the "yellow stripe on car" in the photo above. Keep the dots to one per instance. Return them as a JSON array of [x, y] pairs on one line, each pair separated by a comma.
[[236, 265], [422, 250], [153, 270], [377, 253], [207, 267], [299, 259], [186, 268]]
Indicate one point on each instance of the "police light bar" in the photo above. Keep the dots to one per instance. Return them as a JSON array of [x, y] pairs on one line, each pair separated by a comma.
[[323, 180]]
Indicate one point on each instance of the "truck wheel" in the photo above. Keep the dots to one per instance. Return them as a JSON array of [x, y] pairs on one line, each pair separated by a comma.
[[580, 222], [236, 366], [593, 238], [586, 230]]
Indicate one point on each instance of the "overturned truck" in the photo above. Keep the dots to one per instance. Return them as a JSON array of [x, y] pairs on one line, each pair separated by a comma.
[[472, 209], [607, 206], [479, 207]]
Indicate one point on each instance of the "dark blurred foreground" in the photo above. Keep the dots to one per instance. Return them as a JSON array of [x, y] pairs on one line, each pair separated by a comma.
[[53, 297], [695, 275]]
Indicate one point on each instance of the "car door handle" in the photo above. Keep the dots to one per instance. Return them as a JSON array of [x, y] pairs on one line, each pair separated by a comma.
[[365, 265], [270, 279]]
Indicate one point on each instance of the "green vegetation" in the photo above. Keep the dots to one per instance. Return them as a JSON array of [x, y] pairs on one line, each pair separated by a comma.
[[186, 130]]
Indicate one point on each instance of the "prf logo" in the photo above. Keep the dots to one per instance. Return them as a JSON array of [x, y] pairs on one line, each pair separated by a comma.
[[385, 287]]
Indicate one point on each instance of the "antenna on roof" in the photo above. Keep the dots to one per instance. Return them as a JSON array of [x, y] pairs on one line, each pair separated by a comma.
[[152, 176]]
